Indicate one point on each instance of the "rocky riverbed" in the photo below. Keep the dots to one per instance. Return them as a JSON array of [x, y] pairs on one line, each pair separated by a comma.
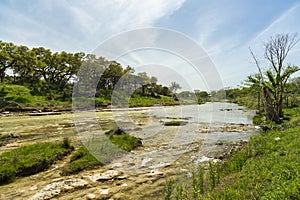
[[209, 134]]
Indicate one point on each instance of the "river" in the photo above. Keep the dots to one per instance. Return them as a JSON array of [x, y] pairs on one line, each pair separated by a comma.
[[206, 131]]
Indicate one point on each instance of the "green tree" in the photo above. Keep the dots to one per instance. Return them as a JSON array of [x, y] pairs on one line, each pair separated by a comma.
[[24, 71], [255, 83], [57, 69], [275, 78], [7, 58], [111, 76], [174, 87]]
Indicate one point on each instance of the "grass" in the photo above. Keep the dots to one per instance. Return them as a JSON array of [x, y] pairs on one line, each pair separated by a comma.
[[175, 123], [266, 168], [19, 96], [99, 151], [125, 142], [31, 159], [82, 159], [139, 101]]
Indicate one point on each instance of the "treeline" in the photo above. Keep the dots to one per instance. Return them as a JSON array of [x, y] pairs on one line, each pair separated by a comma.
[[250, 96], [53, 74]]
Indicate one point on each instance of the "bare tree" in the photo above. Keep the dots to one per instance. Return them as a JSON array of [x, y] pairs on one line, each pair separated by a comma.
[[275, 78]]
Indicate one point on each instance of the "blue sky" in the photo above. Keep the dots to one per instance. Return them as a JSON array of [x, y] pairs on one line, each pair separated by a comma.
[[225, 29]]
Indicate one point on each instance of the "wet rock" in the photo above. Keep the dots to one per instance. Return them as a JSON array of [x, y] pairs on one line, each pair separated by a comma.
[[55, 188], [110, 174]]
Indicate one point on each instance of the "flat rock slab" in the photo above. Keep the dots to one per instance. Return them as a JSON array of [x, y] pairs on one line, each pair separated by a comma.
[[55, 188]]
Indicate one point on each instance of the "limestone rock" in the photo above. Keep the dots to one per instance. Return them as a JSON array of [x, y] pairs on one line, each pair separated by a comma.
[[90, 196], [104, 191], [55, 188], [108, 175]]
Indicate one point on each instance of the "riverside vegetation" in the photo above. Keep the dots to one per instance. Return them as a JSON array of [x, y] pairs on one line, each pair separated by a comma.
[[45, 80], [266, 168]]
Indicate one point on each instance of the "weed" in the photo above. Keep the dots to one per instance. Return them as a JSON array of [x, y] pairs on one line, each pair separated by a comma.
[[169, 189]]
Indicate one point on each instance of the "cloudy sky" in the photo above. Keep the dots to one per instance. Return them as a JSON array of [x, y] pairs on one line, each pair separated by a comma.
[[224, 29]]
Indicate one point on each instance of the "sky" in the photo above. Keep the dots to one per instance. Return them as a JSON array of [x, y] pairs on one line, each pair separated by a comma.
[[220, 31]]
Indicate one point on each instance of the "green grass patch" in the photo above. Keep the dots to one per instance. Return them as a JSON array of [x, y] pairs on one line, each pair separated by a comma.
[[125, 142], [269, 169], [142, 101], [19, 96], [99, 151], [82, 159], [175, 123], [31, 159]]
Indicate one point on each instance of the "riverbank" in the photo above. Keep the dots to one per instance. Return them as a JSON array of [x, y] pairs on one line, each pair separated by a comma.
[[19, 99], [265, 168]]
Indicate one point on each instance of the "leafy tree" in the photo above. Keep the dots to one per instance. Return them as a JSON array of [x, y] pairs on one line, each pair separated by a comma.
[[110, 77], [89, 75], [24, 72], [255, 83], [174, 87], [7, 58], [56, 69]]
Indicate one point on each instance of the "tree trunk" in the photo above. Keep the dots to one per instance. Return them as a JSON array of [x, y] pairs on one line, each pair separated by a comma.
[[258, 102], [271, 113], [280, 110], [2, 74]]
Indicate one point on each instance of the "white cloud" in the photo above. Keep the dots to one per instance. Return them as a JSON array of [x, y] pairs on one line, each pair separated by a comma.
[[80, 25]]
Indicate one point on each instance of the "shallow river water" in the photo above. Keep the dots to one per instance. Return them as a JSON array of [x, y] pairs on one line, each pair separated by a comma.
[[167, 151]]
